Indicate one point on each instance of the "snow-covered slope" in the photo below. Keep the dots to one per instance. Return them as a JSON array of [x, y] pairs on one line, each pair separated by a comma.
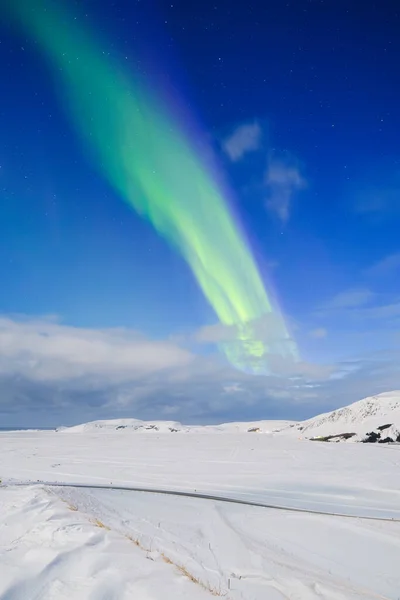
[[371, 414], [175, 427]]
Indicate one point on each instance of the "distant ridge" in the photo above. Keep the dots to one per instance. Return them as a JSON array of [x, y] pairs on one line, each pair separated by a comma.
[[374, 419], [135, 425]]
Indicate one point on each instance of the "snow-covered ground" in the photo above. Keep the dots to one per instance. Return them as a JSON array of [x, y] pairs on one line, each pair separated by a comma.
[[51, 551], [100, 544]]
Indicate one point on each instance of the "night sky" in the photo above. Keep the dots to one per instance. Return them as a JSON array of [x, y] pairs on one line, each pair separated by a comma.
[[298, 103]]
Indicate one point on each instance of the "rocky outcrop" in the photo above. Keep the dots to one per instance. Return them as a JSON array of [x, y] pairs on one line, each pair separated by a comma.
[[392, 435]]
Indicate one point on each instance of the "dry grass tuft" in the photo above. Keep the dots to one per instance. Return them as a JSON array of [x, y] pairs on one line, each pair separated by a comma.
[[166, 559], [193, 579], [69, 506], [100, 524], [136, 542]]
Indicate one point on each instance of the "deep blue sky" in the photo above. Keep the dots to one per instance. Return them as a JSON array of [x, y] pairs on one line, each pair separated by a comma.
[[318, 84]]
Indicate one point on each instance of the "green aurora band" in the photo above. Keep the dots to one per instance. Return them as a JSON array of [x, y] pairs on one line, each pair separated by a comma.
[[147, 156]]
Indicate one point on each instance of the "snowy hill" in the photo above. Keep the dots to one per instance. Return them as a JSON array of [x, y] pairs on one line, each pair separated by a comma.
[[137, 426], [113, 425], [378, 414]]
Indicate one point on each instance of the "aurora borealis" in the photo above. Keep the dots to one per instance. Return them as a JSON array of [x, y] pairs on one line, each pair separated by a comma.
[[138, 144]]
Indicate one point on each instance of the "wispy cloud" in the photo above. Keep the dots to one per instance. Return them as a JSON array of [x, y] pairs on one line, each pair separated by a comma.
[[378, 200], [318, 333], [245, 138], [376, 195], [359, 304], [351, 298], [357, 319], [283, 180], [384, 267], [382, 311]]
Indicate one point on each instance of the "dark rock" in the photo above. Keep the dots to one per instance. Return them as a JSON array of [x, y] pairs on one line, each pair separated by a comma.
[[386, 440], [344, 436], [372, 437], [382, 427], [336, 438]]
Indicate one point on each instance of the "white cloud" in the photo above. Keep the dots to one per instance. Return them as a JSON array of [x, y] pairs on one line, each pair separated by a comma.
[[233, 388], [215, 334], [46, 351], [385, 266], [246, 138], [283, 180]]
